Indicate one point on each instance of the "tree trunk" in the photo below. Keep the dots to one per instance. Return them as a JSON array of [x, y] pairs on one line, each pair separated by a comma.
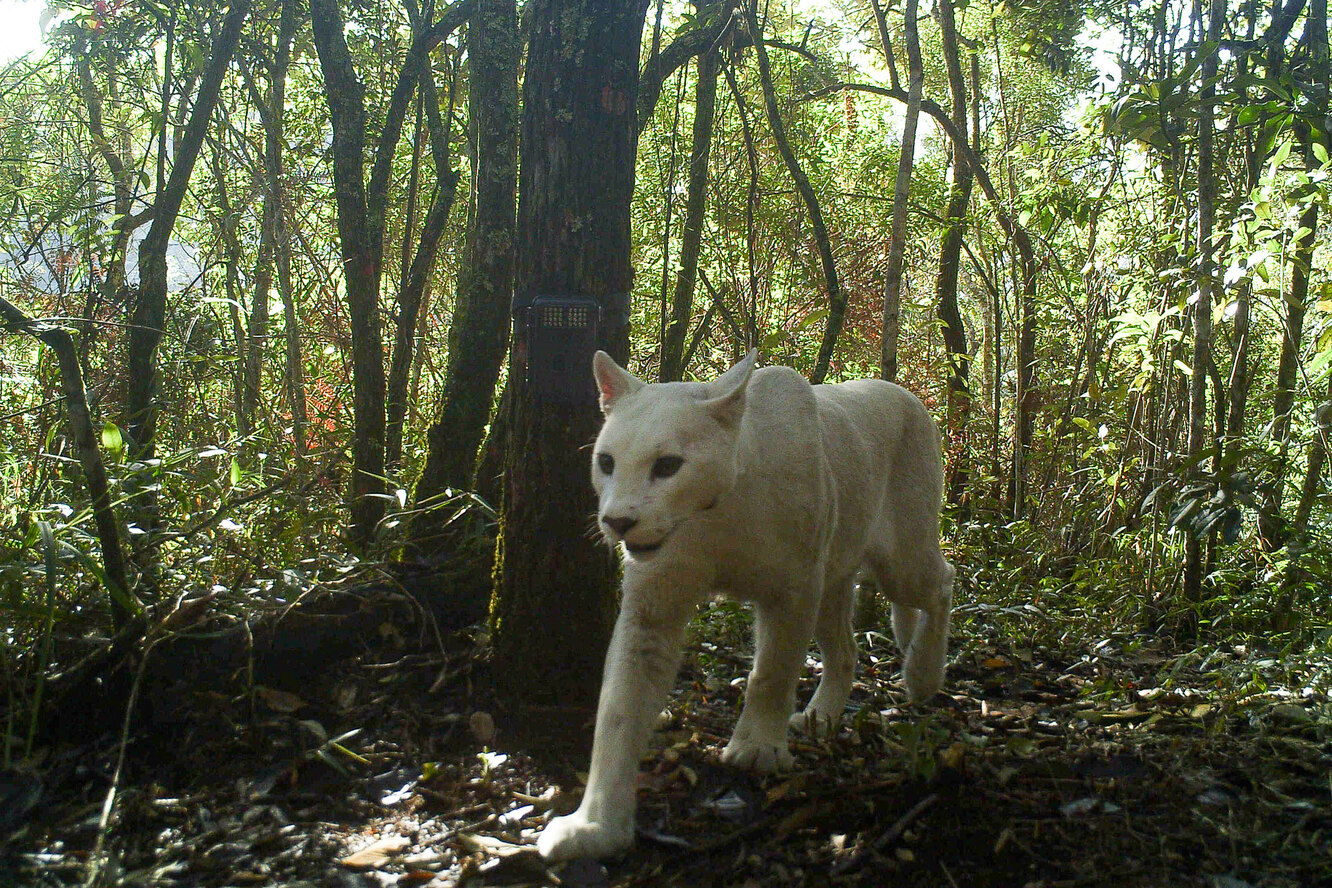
[[361, 206], [1202, 310], [1271, 525], [1318, 452], [950, 257], [417, 275], [295, 367], [836, 298], [892, 285], [231, 256], [479, 334], [149, 302], [123, 177], [121, 599], [554, 598], [673, 345], [360, 265]]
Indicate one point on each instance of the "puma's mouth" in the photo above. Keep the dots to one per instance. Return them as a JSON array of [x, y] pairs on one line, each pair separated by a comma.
[[640, 549]]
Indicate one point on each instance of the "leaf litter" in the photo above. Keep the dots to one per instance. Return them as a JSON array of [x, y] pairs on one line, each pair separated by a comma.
[[1120, 764]]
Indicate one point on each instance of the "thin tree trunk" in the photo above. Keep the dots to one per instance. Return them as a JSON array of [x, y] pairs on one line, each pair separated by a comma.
[[554, 598], [1027, 395], [1202, 310], [950, 257], [417, 276], [257, 331], [751, 206], [1313, 485], [1285, 614], [906, 159], [886, 43], [479, 334], [361, 205], [360, 262], [272, 236], [121, 599], [705, 106], [149, 302], [231, 256], [1271, 525], [668, 214], [123, 177], [295, 366], [836, 298]]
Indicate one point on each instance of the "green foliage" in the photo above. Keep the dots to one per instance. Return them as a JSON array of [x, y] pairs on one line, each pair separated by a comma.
[[1110, 203]]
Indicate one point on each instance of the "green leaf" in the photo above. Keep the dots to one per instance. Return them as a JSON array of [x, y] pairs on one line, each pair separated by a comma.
[[1282, 152], [112, 439], [1319, 151], [1249, 114]]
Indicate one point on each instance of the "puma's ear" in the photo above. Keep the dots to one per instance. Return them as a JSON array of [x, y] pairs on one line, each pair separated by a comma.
[[727, 404], [613, 381]]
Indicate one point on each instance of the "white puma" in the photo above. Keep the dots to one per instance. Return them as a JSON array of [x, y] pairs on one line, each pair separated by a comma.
[[765, 488]]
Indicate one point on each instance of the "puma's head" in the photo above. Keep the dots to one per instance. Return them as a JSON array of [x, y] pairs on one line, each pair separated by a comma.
[[666, 453]]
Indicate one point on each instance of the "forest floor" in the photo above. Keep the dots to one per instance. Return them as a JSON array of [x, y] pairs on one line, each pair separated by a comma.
[[1120, 763]]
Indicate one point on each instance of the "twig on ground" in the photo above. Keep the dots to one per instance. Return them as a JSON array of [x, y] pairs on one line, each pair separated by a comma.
[[894, 833]]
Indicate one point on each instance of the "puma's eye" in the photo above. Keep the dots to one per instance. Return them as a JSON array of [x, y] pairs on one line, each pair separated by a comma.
[[666, 466], [606, 463]]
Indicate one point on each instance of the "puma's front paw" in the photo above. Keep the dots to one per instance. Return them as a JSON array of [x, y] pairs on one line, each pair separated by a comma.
[[567, 838], [757, 755]]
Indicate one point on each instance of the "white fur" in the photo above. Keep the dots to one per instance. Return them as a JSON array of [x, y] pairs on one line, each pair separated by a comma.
[[785, 491]]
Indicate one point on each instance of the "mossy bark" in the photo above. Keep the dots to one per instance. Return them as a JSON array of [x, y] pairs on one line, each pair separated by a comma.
[[479, 335]]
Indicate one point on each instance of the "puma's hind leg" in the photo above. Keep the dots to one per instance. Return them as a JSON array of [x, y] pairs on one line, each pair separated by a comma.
[[922, 598], [837, 646]]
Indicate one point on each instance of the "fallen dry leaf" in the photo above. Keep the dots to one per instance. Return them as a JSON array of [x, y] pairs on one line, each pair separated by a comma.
[[375, 854], [279, 701], [489, 845]]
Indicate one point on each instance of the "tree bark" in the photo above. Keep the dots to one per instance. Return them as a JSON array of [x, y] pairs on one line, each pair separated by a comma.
[[360, 260], [361, 205], [121, 599], [1202, 311], [705, 106], [149, 311], [836, 298], [123, 177], [295, 367], [478, 337], [950, 257], [906, 159], [412, 289], [554, 598], [1271, 525], [231, 256]]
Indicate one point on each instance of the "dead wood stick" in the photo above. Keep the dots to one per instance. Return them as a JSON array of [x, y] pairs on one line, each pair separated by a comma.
[[894, 833]]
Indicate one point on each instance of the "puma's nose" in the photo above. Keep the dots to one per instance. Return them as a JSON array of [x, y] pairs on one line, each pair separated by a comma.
[[620, 525]]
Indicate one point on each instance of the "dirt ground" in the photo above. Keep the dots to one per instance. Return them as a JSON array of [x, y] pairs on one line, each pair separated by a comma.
[[1122, 763]]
